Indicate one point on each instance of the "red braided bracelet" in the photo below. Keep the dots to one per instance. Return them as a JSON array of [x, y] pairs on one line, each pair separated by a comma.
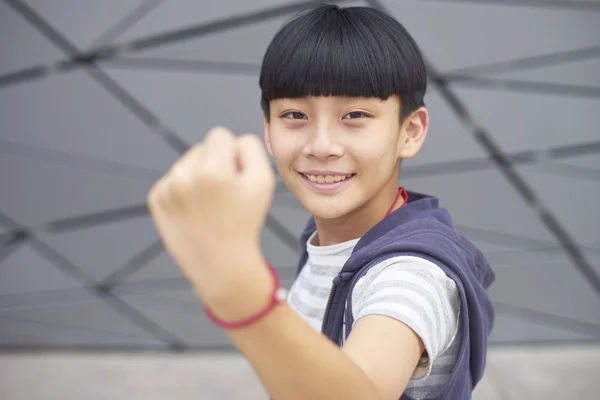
[[278, 296]]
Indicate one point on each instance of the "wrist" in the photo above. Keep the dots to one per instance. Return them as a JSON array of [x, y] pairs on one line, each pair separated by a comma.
[[244, 318], [218, 274], [242, 293]]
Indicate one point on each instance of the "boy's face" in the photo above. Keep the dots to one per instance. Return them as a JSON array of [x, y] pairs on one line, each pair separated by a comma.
[[336, 154]]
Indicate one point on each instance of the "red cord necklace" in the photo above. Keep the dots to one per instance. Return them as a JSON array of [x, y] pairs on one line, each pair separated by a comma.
[[401, 192]]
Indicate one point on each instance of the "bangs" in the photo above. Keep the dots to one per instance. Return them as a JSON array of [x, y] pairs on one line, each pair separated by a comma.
[[353, 52]]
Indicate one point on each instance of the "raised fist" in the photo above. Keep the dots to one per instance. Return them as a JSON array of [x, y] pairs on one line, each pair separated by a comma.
[[213, 203]]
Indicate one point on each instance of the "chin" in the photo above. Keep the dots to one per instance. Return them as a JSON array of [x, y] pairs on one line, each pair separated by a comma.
[[325, 207], [323, 214]]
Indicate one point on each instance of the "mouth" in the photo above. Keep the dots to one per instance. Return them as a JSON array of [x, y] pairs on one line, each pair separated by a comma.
[[326, 182], [325, 179]]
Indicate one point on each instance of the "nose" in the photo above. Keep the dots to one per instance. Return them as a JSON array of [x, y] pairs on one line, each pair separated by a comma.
[[323, 143]]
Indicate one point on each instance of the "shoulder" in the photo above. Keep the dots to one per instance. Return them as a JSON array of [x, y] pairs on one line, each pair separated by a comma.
[[407, 280], [405, 271]]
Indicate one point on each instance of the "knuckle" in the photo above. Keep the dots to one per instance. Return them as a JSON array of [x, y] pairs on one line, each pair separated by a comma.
[[248, 139], [210, 176], [180, 180], [156, 195], [218, 132], [156, 188], [188, 157]]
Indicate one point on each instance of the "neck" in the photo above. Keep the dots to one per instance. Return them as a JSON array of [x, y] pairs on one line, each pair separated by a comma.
[[358, 222]]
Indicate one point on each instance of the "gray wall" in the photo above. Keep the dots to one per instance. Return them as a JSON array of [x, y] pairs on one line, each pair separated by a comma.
[[78, 142]]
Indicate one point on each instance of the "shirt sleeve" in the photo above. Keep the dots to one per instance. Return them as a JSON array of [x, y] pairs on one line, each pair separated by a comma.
[[417, 293]]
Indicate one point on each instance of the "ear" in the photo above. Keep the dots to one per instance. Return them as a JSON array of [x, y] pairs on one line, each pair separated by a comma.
[[267, 137], [413, 133]]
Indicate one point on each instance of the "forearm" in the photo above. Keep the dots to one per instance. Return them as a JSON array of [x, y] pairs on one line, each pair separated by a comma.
[[292, 360], [295, 362]]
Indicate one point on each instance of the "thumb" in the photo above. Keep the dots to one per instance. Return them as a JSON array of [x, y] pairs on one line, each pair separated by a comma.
[[252, 161]]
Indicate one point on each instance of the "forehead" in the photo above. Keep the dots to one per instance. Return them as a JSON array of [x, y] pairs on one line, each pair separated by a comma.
[[336, 101]]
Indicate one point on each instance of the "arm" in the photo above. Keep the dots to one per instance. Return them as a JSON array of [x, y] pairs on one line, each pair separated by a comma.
[[293, 361], [412, 291], [387, 350], [209, 210]]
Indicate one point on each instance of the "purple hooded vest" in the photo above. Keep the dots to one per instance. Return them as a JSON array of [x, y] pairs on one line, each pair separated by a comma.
[[420, 228]]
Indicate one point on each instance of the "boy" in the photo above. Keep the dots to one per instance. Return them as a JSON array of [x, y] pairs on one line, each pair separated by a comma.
[[390, 301]]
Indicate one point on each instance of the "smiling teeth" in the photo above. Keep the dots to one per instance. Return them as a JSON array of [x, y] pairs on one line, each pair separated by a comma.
[[326, 178]]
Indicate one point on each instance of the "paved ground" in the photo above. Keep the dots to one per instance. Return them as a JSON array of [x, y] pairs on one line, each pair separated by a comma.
[[513, 373]]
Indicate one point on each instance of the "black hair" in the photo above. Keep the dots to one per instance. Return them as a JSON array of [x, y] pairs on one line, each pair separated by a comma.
[[334, 51]]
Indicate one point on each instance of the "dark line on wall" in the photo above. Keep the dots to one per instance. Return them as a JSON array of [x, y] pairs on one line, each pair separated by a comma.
[[576, 5], [519, 86], [526, 63], [570, 171], [137, 262], [74, 295], [78, 162], [126, 22], [179, 65], [523, 157]]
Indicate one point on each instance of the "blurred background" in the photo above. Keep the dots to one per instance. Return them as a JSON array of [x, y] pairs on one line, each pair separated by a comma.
[[98, 98]]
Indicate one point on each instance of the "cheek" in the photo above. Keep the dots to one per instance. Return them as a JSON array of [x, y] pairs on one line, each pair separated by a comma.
[[373, 154], [284, 153], [376, 156]]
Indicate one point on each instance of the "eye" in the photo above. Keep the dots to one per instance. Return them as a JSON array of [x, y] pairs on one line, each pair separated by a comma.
[[356, 115], [293, 115]]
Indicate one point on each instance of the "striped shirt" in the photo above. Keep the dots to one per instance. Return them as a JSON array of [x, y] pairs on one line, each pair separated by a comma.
[[409, 289]]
